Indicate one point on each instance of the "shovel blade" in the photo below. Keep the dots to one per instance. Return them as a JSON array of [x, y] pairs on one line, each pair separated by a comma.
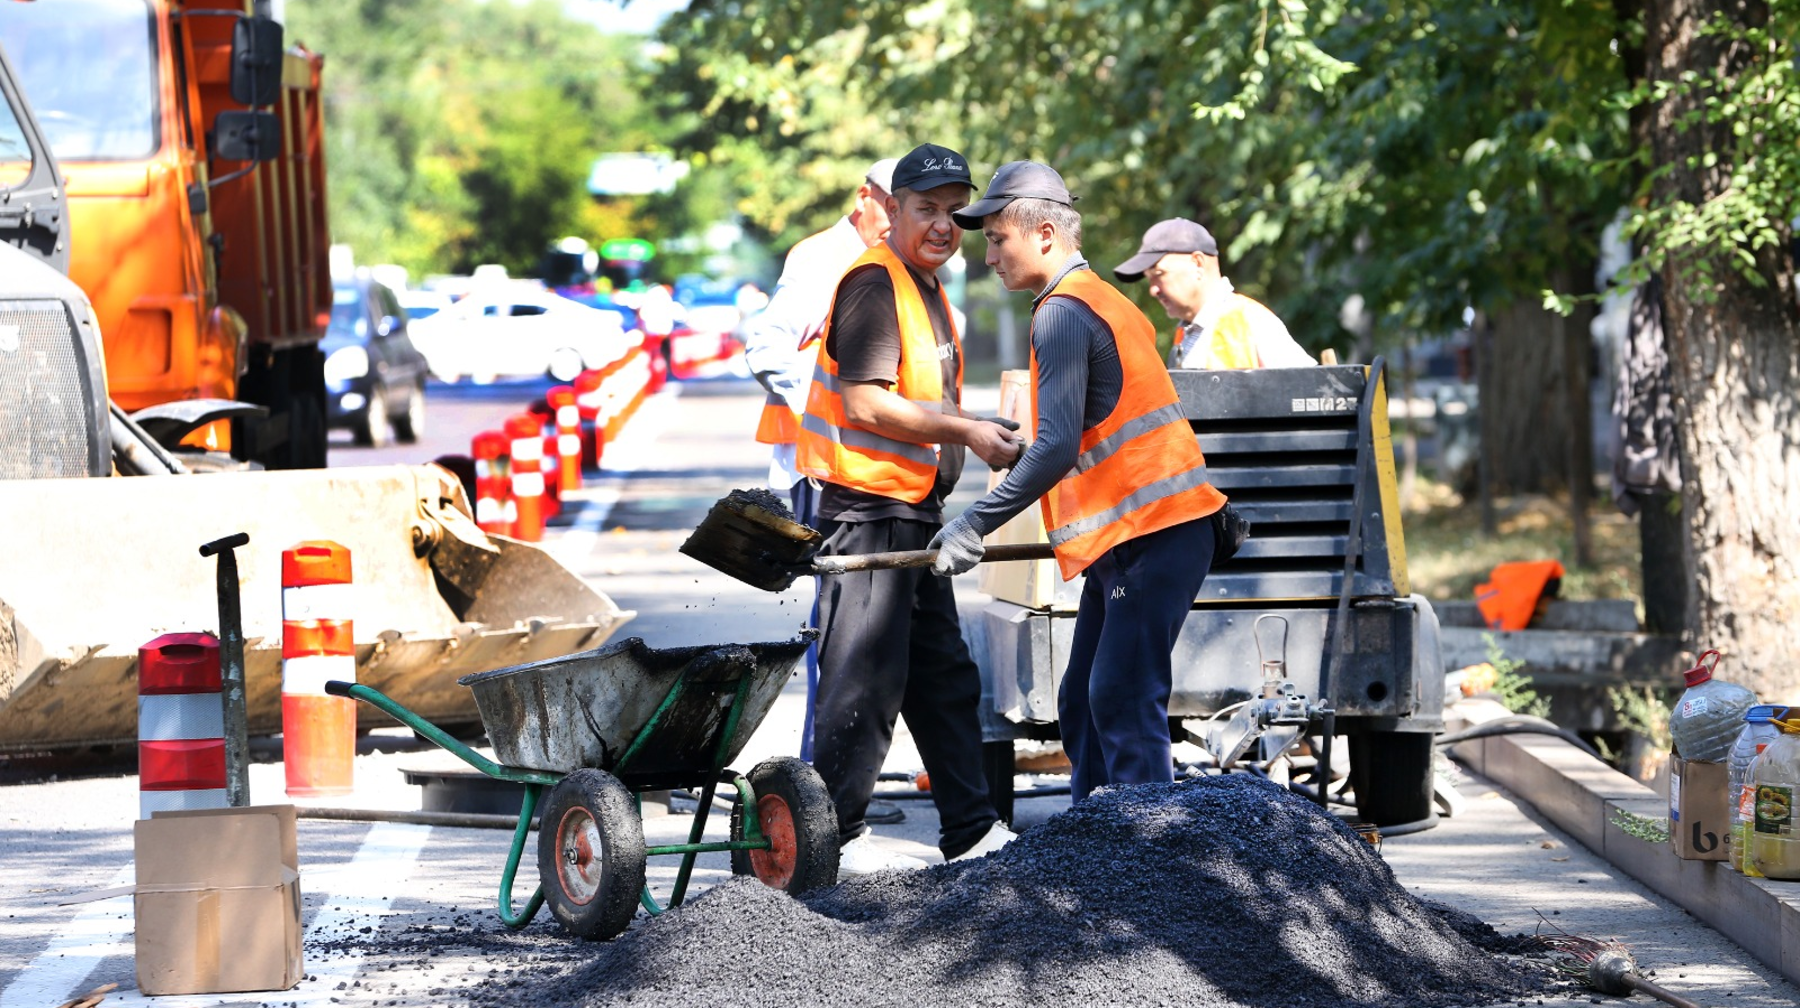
[[752, 536]]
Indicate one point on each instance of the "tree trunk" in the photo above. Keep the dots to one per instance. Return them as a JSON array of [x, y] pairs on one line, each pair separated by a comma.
[[1535, 366], [1732, 347]]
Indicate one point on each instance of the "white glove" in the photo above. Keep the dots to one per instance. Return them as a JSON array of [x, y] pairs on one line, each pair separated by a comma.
[[959, 547]]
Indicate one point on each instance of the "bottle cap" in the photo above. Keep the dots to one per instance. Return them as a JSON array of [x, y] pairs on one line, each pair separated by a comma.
[[1764, 713], [1702, 672]]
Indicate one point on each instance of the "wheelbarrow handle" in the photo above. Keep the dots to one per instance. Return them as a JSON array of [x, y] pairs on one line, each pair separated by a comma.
[[337, 687], [432, 733], [846, 563]]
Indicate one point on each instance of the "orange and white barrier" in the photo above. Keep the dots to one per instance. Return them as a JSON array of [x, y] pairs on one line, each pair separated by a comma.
[[690, 350], [494, 507], [587, 405], [525, 432], [568, 436], [181, 725], [318, 731]]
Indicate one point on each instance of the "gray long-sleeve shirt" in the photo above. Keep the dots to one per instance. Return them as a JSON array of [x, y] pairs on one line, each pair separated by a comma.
[[1078, 384]]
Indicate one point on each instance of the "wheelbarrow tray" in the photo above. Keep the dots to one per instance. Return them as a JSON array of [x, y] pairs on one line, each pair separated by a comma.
[[653, 717]]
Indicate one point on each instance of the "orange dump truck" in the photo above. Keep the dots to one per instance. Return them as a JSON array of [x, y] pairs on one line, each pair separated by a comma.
[[197, 203]]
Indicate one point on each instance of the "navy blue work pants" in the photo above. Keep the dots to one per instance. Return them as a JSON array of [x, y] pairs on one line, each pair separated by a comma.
[[891, 648], [1114, 700], [805, 498]]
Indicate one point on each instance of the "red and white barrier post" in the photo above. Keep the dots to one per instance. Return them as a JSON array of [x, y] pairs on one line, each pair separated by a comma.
[[568, 436], [526, 433], [318, 731], [181, 725], [494, 510], [587, 402]]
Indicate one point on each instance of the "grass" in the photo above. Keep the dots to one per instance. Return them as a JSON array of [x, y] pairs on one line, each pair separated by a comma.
[[1448, 555]]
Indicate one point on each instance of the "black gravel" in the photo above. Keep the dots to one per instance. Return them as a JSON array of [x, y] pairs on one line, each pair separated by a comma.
[[1216, 893], [764, 498]]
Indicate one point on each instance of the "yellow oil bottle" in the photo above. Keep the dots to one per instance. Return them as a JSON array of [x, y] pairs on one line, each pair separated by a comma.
[[1775, 782]]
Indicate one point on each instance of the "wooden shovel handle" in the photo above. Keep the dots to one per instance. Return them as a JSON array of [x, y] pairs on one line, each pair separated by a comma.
[[921, 558]]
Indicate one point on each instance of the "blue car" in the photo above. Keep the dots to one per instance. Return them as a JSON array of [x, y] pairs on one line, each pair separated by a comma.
[[374, 376]]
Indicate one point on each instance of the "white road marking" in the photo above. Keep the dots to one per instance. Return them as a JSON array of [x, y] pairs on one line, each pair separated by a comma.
[[632, 451], [105, 929], [101, 929]]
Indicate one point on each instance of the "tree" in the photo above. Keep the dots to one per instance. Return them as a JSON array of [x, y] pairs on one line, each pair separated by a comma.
[[461, 132]]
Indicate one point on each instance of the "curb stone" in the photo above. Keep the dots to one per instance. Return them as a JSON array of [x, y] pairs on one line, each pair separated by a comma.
[[1612, 815]]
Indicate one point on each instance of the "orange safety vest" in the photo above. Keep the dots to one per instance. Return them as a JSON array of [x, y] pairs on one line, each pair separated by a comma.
[[833, 449], [778, 424], [1140, 469]]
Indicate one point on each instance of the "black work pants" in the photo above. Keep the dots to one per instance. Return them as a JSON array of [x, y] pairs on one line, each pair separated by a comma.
[[891, 647], [1114, 699]]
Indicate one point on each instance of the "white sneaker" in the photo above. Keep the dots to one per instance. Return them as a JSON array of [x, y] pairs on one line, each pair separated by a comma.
[[997, 836], [862, 857]]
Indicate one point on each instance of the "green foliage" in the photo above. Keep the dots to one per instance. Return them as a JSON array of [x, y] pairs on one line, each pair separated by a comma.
[[460, 132], [1514, 691], [1643, 711], [1646, 828], [1427, 157]]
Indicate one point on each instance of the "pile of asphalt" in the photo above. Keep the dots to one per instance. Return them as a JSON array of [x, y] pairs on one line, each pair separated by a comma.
[[1221, 892]]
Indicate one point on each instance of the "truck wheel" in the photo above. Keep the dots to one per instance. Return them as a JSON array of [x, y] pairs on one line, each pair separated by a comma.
[[376, 429], [1391, 773], [795, 812], [591, 854], [411, 425]]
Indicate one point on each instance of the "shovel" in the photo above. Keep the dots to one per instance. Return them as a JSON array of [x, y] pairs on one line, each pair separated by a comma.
[[752, 536]]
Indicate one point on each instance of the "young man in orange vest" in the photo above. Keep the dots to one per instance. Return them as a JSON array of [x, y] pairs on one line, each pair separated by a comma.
[[1220, 328], [1119, 473], [884, 431], [778, 348]]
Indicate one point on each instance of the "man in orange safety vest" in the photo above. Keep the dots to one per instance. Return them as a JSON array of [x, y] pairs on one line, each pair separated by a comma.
[[1120, 475]]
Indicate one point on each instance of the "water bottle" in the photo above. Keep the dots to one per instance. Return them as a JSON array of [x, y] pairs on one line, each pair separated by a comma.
[[1706, 720], [1775, 781], [1758, 731]]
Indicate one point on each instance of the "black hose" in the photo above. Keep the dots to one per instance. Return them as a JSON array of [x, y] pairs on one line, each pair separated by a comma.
[[1519, 724]]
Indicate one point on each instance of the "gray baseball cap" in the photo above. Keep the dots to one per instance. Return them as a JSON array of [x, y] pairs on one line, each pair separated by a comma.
[[1177, 234], [1014, 180], [881, 174]]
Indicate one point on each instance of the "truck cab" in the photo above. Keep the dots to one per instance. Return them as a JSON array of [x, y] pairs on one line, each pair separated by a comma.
[[204, 256]]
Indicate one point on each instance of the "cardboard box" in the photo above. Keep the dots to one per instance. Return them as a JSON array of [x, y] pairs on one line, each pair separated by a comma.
[[1699, 814], [218, 901]]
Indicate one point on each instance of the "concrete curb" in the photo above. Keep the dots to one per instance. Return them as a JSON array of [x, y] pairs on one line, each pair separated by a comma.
[[1596, 804]]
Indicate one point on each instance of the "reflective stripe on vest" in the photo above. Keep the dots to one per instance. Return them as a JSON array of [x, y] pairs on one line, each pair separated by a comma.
[[833, 449], [1140, 469]]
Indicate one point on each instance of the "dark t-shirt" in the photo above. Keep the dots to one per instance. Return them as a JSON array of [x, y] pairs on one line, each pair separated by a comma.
[[865, 341]]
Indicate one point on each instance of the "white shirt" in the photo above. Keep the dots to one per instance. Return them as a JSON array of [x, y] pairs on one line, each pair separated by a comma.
[[796, 312], [1274, 346]]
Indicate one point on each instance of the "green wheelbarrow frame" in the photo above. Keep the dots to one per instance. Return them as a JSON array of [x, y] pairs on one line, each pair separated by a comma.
[[535, 781]]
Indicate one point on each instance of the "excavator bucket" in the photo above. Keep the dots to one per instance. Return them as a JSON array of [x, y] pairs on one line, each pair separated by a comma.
[[91, 569]]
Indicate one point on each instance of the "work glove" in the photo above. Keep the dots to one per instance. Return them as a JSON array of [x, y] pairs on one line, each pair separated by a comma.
[[1011, 425], [959, 547]]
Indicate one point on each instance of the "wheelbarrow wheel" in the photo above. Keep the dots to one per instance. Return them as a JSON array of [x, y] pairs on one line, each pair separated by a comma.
[[591, 854], [794, 811]]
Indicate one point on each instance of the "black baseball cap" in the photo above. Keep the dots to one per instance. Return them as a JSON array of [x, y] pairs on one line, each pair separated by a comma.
[[1177, 234], [1014, 180], [928, 166]]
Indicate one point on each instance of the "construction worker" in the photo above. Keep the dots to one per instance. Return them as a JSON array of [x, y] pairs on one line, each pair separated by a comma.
[[1220, 328], [1120, 475], [884, 432], [778, 349]]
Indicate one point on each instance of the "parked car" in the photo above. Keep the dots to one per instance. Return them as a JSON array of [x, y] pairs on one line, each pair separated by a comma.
[[422, 303], [516, 331], [374, 376]]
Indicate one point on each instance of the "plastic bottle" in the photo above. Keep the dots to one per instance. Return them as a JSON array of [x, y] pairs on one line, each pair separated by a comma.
[[1707, 718], [1756, 733], [1775, 779]]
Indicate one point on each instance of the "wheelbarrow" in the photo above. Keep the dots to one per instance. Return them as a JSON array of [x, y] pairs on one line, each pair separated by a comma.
[[598, 729]]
